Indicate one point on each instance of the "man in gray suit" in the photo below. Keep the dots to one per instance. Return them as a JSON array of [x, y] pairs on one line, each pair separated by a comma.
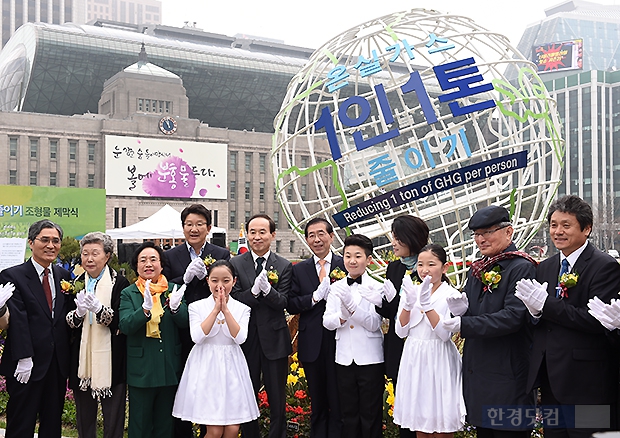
[[264, 280]]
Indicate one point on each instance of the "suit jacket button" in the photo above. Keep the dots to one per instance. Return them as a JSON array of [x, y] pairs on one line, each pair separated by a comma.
[[351, 326], [470, 372]]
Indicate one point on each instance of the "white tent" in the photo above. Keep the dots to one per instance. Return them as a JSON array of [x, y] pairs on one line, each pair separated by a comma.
[[163, 224]]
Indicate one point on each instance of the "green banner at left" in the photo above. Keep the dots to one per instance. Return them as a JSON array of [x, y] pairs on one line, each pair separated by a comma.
[[77, 211]]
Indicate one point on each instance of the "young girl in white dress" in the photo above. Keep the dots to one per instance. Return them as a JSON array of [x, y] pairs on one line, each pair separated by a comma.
[[429, 397], [215, 388]]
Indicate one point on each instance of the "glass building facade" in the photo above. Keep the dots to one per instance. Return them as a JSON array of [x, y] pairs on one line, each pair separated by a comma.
[[61, 69]]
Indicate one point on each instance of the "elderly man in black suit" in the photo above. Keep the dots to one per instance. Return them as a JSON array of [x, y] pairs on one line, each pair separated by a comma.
[[268, 343], [573, 361], [184, 265], [36, 355], [317, 345], [493, 322]]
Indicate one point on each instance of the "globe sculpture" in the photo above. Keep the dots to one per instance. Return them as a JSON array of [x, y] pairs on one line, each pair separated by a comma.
[[419, 118]]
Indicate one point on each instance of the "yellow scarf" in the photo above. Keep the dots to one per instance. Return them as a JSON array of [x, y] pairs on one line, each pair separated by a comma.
[[157, 288]]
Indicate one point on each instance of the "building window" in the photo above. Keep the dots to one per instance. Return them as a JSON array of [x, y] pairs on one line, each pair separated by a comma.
[[291, 246], [33, 177], [248, 162], [247, 191], [233, 160], [304, 162], [248, 215], [233, 189], [278, 245], [72, 149], [53, 182], [53, 149], [262, 162], [232, 219], [304, 192], [72, 180], [34, 147], [261, 191], [91, 180], [140, 104], [13, 146], [276, 219], [289, 193], [13, 177], [91, 152]]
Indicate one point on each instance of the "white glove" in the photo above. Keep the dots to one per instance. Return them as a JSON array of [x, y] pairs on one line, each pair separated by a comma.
[[533, 294], [265, 286], [196, 268], [409, 293], [257, 287], [453, 325], [344, 312], [389, 291], [373, 296], [175, 297], [23, 370], [6, 292], [426, 289], [458, 304], [80, 302], [92, 303], [347, 300], [607, 314], [322, 291], [148, 299]]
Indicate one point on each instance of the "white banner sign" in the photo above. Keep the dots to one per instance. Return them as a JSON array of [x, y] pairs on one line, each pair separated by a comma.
[[154, 167]]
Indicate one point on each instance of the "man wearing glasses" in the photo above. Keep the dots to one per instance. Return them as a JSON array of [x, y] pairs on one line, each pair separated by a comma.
[[493, 322], [184, 265], [36, 355]]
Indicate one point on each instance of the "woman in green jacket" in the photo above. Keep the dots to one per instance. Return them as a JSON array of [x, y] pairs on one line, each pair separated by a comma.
[[151, 312]]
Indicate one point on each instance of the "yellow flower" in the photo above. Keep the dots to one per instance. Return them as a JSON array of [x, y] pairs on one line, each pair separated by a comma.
[[294, 366], [208, 260], [65, 285], [391, 412], [294, 357], [390, 400], [291, 379], [301, 372]]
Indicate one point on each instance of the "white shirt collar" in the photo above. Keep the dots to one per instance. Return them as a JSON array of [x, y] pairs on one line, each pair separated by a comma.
[[265, 256], [192, 253], [573, 256], [328, 258]]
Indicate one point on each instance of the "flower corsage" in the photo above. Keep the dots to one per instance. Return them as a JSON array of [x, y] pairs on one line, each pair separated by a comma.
[[272, 276], [491, 279], [336, 274], [208, 260], [567, 281], [71, 288]]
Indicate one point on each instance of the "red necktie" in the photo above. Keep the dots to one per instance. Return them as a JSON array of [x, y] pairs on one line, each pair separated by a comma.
[[46, 287]]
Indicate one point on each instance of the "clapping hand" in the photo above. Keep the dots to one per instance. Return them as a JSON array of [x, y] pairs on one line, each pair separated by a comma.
[[426, 289], [322, 291], [409, 293], [453, 325], [607, 314], [92, 303], [196, 268], [176, 296], [389, 291], [80, 302], [533, 294], [148, 299], [373, 296], [458, 303], [6, 292], [259, 284]]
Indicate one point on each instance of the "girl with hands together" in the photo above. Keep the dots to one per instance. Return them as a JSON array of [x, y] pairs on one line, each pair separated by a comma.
[[216, 365]]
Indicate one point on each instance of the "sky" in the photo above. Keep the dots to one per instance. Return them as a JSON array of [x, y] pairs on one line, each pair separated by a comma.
[[314, 22]]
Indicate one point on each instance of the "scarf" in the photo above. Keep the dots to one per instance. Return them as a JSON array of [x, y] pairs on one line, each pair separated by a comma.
[[157, 288], [410, 262], [481, 265], [95, 361]]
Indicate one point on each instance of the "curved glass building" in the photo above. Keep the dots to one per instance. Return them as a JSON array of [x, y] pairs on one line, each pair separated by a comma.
[[61, 69]]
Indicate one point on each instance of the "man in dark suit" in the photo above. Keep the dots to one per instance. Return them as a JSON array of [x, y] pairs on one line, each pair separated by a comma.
[[268, 343], [572, 359], [317, 345], [493, 323], [36, 355], [196, 221]]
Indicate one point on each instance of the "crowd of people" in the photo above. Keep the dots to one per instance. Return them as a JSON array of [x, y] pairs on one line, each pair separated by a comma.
[[198, 334]]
